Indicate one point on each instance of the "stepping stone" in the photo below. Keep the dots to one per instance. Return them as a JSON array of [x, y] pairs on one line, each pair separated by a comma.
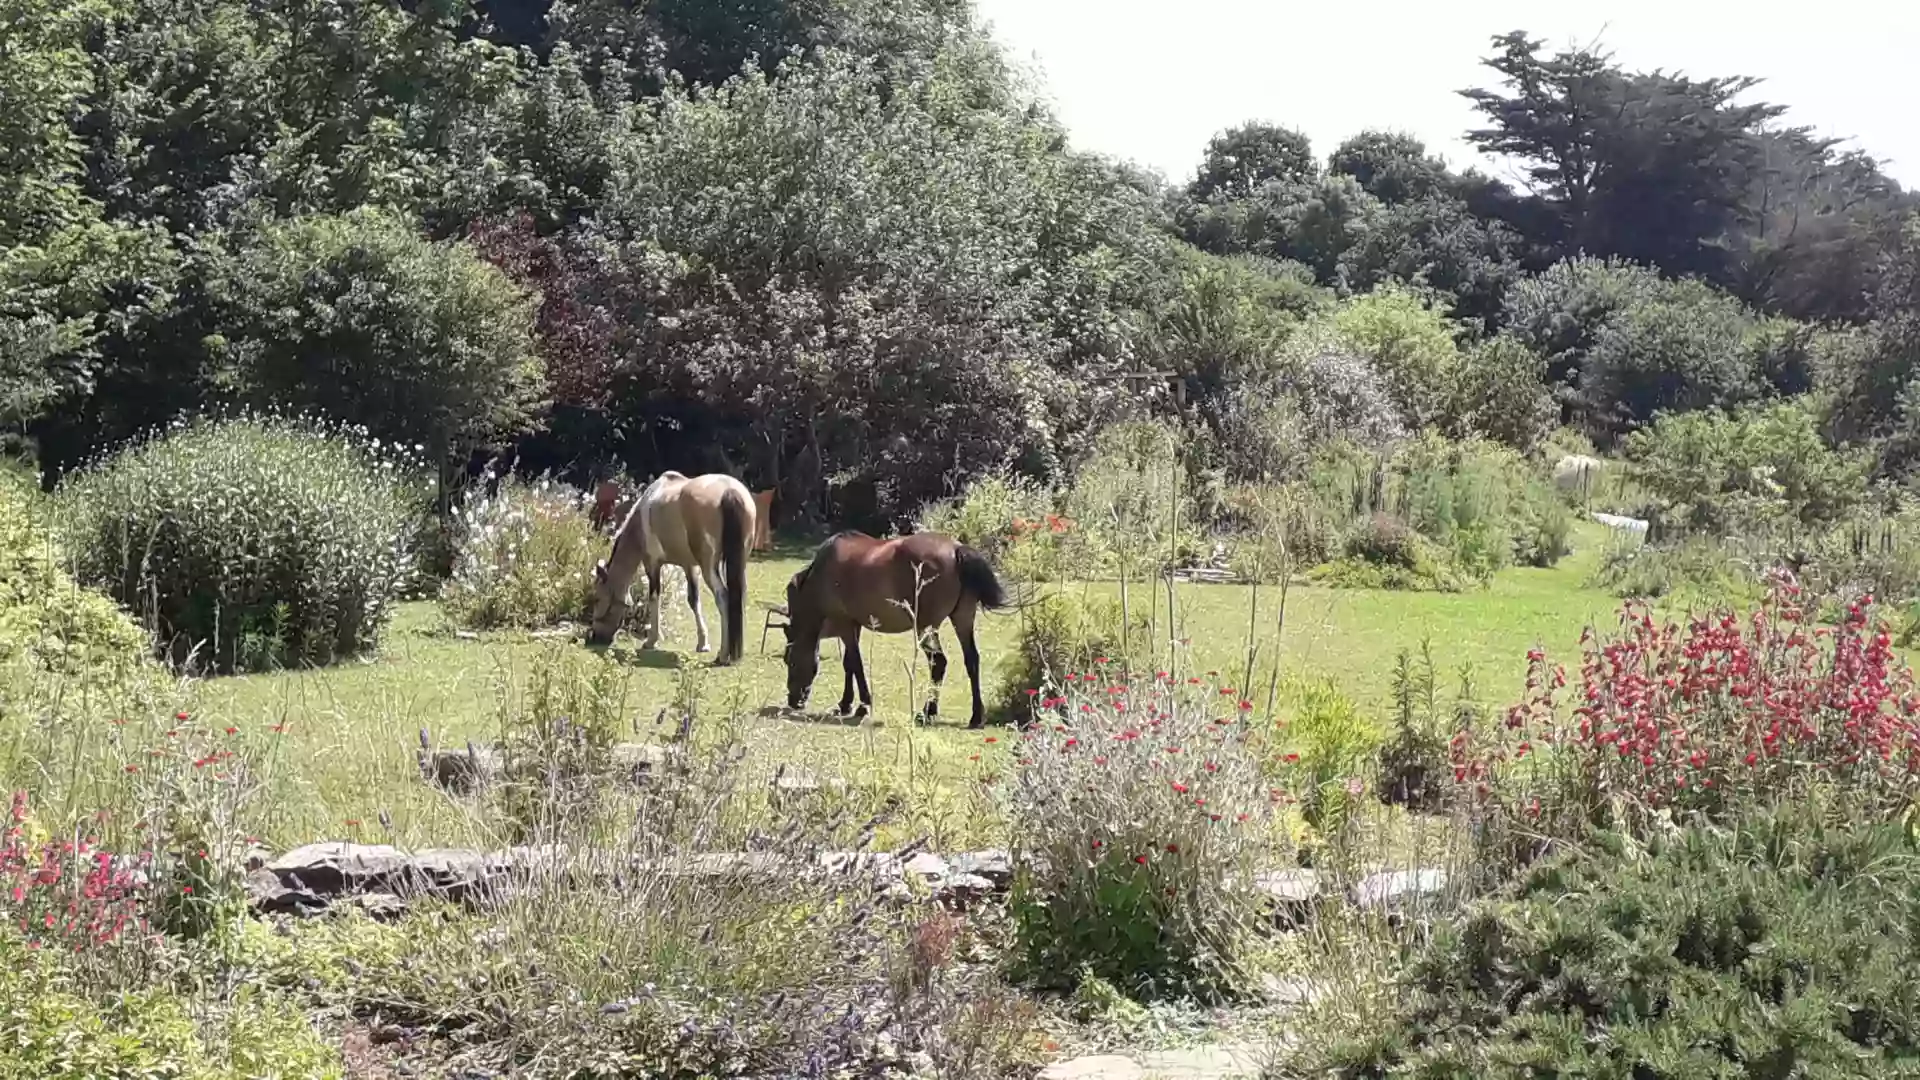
[[1224, 1062], [1103, 1067]]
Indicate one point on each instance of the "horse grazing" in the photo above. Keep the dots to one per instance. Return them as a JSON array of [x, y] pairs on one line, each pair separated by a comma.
[[913, 583], [700, 525]]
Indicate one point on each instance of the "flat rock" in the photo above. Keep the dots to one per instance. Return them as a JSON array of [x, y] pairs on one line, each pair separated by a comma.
[[384, 907], [1396, 887], [461, 771], [1102, 1067], [928, 867], [993, 864], [1291, 894], [267, 896], [1224, 1062], [336, 866], [1289, 989]]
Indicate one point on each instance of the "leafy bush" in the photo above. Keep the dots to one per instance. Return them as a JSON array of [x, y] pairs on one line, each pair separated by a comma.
[[1331, 746], [1691, 570], [1123, 500], [1410, 345], [49, 624], [1385, 541], [984, 517], [1064, 638], [1132, 817], [1710, 718], [359, 316], [250, 542], [1474, 507], [1413, 761], [1499, 394], [522, 557], [1778, 948], [52, 1028], [1768, 468]]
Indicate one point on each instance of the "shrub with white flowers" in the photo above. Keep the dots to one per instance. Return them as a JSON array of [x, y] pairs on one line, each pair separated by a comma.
[[251, 542], [523, 557]]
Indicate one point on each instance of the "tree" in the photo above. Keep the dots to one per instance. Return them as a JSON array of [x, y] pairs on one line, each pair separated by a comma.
[[1870, 377], [1242, 160], [873, 293], [1683, 348], [1393, 167], [67, 274], [1650, 167], [359, 317]]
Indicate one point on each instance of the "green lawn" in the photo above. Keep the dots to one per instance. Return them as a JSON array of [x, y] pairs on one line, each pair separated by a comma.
[[350, 731]]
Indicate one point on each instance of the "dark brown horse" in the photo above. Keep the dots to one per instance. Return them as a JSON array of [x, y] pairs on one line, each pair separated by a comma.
[[914, 583]]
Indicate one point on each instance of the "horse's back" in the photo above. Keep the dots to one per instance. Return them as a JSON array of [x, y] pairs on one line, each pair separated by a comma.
[[684, 516]]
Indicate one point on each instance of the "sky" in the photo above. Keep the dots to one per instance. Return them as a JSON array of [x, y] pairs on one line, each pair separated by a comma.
[[1153, 80]]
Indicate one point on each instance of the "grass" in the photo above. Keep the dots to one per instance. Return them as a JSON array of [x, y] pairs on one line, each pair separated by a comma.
[[351, 730]]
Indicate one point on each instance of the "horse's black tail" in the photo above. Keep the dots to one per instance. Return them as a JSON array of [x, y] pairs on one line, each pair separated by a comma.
[[736, 534], [978, 578]]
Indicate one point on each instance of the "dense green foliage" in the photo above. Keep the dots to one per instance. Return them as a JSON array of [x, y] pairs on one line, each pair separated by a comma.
[[745, 264], [1776, 948], [250, 542], [358, 317]]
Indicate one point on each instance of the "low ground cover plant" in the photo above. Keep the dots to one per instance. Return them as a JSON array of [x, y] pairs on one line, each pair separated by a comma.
[[1777, 947]]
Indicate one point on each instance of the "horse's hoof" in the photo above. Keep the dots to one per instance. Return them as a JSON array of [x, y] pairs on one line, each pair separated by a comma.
[[703, 647]]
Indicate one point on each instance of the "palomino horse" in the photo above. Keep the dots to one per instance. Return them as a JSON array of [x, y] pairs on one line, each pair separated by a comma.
[[699, 525], [913, 583]]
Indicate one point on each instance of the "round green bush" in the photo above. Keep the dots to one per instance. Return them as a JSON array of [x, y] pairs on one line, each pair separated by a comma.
[[250, 542]]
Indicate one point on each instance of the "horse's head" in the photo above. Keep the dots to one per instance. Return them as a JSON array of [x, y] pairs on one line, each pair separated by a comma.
[[610, 606], [802, 631]]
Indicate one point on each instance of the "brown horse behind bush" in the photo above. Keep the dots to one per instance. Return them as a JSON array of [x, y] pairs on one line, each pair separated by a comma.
[[914, 583]]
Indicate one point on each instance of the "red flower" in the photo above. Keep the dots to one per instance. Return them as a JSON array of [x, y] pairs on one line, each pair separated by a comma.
[[180, 716], [1141, 859], [1179, 787], [1173, 849], [133, 768], [993, 738]]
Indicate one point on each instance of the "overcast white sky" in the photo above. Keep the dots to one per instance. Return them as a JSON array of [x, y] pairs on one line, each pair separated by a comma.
[[1152, 80]]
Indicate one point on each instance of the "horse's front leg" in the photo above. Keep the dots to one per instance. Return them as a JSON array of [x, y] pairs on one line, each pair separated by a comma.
[[652, 636], [856, 672]]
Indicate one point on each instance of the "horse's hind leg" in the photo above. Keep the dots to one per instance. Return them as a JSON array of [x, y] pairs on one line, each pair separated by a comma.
[[693, 601], [962, 619], [719, 594], [937, 663]]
